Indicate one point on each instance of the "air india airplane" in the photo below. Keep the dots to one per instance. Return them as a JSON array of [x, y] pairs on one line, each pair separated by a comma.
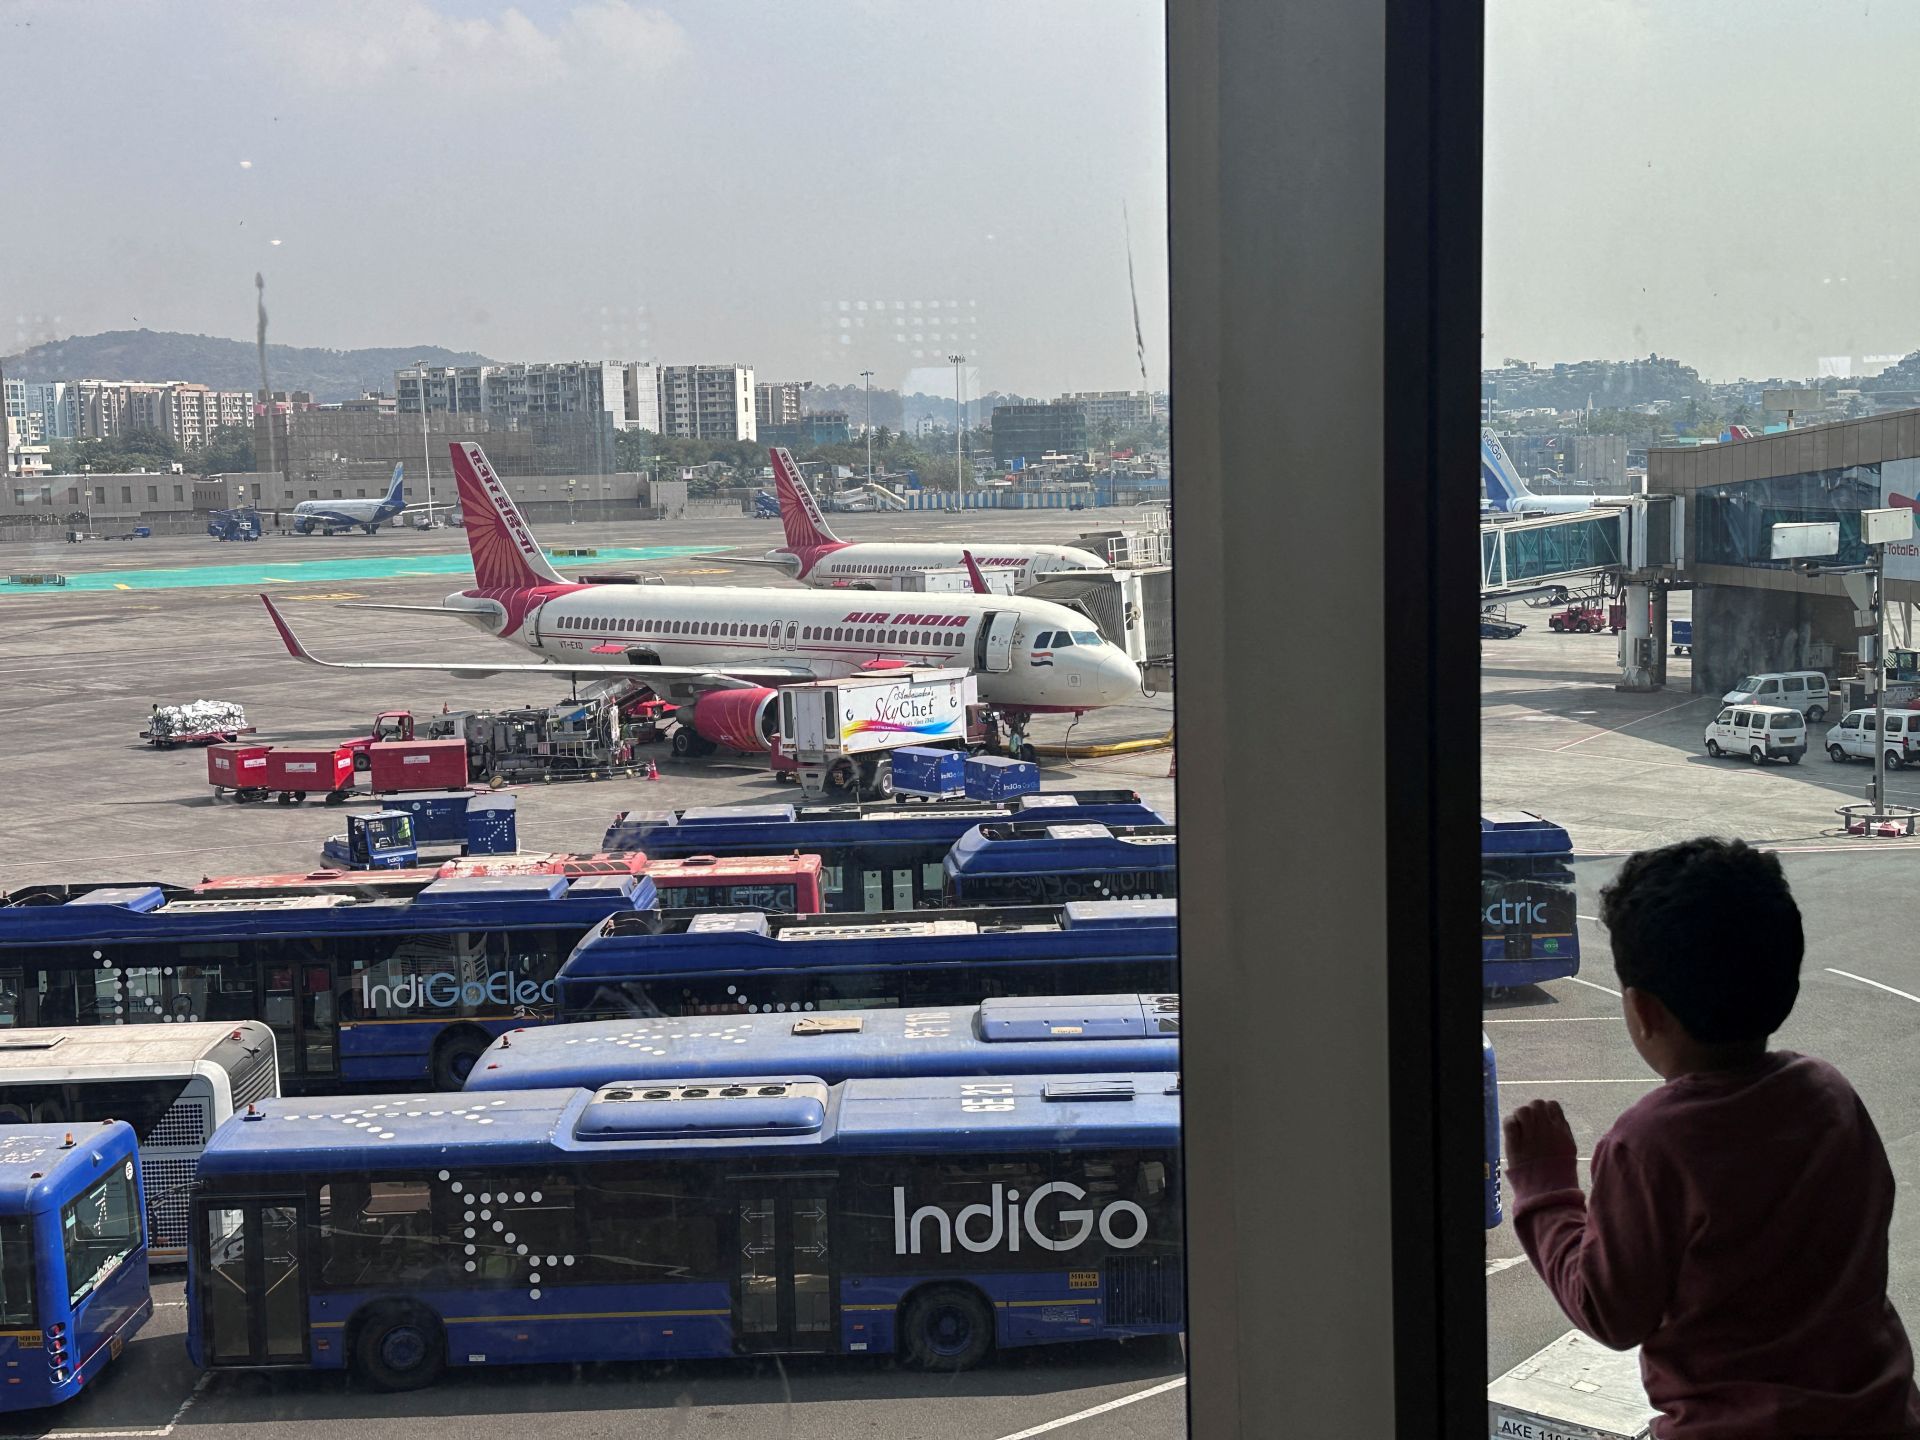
[[815, 556], [722, 650]]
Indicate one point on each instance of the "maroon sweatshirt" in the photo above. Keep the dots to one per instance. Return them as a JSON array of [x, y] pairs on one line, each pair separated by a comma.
[[1737, 1233]]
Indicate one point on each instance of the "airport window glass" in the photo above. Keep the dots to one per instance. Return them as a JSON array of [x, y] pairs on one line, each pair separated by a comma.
[[377, 1021]]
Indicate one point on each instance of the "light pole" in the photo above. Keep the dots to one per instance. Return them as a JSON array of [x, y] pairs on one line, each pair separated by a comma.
[[867, 375], [426, 451], [959, 432]]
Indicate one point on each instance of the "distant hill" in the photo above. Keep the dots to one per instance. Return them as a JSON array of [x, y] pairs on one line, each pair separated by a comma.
[[223, 364]]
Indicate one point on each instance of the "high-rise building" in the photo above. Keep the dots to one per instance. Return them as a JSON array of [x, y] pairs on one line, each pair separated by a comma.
[[566, 387], [184, 412], [707, 402], [47, 409], [643, 396], [777, 403], [821, 427], [1120, 409], [1030, 431]]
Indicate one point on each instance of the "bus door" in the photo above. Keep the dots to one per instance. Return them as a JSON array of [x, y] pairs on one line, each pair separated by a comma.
[[783, 1298], [298, 1000], [252, 1284], [993, 650]]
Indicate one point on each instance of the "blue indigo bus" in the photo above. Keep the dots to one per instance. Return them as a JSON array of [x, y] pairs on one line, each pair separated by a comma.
[[939, 1219], [884, 856], [1012, 1035], [359, 987], [743, 962], [73, 1257], [1051, 862], [1528, 930], [1490, 1107]]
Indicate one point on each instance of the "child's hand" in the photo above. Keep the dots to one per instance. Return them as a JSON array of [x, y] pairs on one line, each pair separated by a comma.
[[1540, 1148]]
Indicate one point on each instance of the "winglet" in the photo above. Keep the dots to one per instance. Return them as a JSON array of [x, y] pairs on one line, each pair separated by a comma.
[[287, 637], [973, 574]]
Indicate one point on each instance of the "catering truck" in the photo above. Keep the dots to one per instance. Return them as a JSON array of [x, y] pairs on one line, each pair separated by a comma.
[[837, 732]]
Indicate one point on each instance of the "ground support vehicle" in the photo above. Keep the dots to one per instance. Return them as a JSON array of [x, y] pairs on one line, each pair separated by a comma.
[[1682, 636], [1759, 732], [198, 722], [73, 1252], [1578, 620], [294, 774], [838, 732]]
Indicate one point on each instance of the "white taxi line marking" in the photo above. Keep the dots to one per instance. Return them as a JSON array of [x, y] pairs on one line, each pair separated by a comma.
[[1549, 1020], [1637, 720], [1494, 1267], [1638, 1080], [1875, 983], [1593, 985], [1078, 1416]]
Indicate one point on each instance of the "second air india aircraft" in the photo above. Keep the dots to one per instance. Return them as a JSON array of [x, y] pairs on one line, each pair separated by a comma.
[[815, 556], [722, 650]]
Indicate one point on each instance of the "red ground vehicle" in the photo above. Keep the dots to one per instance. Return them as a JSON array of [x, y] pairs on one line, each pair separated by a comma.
[[1582, 620], [296, 774], [387, 725]]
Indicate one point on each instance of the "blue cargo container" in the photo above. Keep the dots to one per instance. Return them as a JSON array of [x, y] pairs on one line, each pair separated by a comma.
[[994, 777], [923, 770], [492, 825], [1490, 1102], [439, 816]]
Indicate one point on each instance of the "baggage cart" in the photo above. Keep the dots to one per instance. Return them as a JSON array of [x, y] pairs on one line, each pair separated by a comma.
[[921, 770], [995, 777], [294, 774], [1575, 1389], [239, 770], [402, 765]]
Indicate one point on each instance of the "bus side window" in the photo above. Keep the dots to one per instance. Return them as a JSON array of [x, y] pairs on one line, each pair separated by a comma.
[[377, 1232], [649, 1231]]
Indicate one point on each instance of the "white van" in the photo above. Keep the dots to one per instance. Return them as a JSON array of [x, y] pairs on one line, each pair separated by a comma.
[[1802, 690], [1853, 738], [1759, 732]]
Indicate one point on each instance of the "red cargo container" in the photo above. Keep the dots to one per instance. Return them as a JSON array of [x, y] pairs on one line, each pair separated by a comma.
[[299, 773], [418, 765], [240, 768]]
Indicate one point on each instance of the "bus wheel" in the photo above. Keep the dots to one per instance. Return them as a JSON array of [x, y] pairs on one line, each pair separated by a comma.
[[454, 1056], [400, 1347], [947, 1327]]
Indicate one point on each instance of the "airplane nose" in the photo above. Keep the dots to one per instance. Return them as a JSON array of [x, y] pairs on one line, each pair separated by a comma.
[[1118, 678]]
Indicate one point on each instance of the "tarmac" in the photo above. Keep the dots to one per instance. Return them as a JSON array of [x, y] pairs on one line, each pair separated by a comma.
[[81, 666]]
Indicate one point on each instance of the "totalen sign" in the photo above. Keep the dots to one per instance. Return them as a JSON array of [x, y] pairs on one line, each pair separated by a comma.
[[1002, 1220], [448, 992]]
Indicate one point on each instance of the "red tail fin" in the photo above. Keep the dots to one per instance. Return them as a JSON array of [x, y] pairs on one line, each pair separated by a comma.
[[973, 574], [800, 513], [505, 554]]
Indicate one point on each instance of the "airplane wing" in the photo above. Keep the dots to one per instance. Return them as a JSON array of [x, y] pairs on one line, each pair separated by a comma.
[[738, 560], [736, 678]]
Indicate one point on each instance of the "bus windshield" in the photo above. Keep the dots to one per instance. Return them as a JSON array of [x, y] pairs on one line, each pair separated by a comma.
[[100, 1229]]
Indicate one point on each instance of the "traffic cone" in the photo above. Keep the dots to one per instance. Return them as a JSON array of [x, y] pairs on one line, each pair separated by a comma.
[[653, 771]]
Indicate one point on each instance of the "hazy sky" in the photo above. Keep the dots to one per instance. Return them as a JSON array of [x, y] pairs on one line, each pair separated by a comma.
[[1728, 184], [715, 181], [742, 181]]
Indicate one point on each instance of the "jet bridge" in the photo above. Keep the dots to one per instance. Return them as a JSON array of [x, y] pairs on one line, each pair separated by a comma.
[[1634, 546]]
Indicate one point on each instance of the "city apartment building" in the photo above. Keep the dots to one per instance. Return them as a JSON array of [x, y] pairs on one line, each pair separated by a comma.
[[184, 412], [516, 391], [1122, 409], [777, 403], [1026, 432], [708, 402]]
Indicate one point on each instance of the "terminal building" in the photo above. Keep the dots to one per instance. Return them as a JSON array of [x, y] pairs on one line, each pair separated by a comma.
[[1751, 612]]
